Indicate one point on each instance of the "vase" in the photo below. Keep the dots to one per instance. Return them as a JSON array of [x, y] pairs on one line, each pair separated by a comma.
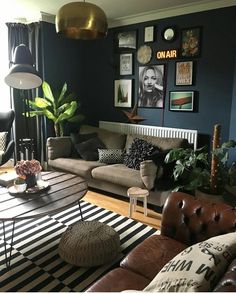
[[30, 181]]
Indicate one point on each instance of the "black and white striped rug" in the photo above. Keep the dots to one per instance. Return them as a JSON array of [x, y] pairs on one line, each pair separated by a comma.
[[36, 265]]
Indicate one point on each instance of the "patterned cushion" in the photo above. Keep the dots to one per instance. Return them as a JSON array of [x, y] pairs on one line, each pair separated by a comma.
[[110, 156], [139, 151], [3, 140]]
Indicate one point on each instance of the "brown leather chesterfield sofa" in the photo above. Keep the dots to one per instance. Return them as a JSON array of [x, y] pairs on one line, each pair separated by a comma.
[[185, 221]]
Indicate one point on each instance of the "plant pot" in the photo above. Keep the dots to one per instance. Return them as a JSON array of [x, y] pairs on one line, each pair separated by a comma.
[[230, 189], [210, 198]]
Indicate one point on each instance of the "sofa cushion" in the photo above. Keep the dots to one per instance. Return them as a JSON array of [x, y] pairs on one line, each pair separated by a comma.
[[118, 174], [139, 151], [76, 166], [198, 268], [77, 138], [112, 140], [152, 254], [88, 150], [162, 143], [110, 156]]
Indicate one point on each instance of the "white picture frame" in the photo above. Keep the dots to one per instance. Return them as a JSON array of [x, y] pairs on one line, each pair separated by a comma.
[[123, 93], [149, 34], [126, 64]]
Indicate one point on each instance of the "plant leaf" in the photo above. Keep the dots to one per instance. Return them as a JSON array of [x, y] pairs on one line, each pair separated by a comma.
[[48, 92], [63, 91]]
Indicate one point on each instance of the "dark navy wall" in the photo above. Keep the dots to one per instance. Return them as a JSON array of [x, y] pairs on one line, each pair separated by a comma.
[[90, 68]]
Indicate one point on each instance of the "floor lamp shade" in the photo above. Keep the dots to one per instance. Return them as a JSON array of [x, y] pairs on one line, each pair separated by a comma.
[[22, 74], [81, 20]]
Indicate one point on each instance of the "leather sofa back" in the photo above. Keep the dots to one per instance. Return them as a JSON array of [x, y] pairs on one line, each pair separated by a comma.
[[190, 221]]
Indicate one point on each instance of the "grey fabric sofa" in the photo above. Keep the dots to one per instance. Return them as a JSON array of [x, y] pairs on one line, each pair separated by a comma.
[[113, 178]]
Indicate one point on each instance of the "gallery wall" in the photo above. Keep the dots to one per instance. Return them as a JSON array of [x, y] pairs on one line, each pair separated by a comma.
[[90, 68]]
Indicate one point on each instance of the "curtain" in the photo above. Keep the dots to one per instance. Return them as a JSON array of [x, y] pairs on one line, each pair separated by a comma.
[[24, 127]]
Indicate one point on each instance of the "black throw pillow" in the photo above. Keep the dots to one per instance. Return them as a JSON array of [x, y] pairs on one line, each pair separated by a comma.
[[88, 150], [77, 138], [139, 151]]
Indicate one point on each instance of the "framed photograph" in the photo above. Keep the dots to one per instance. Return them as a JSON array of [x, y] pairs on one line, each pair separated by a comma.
[[151, 86], [181, 101], [149, 34], [126, 64], [123, 93], [190, 42], [127, 40], [184, 73]]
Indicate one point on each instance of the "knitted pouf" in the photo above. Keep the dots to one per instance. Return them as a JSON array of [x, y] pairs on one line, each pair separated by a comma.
[[89, 243]]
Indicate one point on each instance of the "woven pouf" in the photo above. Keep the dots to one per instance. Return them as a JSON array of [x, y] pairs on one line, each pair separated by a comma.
[[89, 243]]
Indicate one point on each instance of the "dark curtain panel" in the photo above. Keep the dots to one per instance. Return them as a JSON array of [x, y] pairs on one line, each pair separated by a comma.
[[24, 127]]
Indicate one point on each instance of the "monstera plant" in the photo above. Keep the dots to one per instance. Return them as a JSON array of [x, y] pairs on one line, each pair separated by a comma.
[[59, 108]]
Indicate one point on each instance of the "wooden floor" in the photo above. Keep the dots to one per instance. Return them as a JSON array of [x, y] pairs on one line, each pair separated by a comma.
[[119, 205]]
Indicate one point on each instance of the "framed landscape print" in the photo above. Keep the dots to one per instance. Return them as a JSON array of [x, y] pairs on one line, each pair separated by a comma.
[[123, 93], [127, 40], [126, 64], [184, 73], [181, 101], [190, 42]]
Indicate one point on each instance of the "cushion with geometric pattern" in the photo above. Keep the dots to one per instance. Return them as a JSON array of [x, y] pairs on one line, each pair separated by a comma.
[[3, 140], [110, 156]]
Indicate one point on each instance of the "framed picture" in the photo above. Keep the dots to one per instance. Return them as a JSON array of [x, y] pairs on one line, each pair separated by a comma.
[[190, 42], [184, 73], [123, 93], [127, 40], [149, 34], [126, 64], [151, 86], [181, 101]]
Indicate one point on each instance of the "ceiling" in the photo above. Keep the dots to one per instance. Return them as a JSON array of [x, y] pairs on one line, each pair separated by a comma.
[[119, 12]]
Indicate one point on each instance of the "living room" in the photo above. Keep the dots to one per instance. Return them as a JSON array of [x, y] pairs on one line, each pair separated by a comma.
[[90, 69]]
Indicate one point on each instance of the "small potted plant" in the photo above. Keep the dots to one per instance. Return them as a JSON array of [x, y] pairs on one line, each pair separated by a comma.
[[20, 185]]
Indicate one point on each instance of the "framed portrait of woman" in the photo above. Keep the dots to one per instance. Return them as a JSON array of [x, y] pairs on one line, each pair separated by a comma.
[[151, 86]]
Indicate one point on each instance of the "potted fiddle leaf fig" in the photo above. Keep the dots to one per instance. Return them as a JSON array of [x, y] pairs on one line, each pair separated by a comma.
[[58, 108]]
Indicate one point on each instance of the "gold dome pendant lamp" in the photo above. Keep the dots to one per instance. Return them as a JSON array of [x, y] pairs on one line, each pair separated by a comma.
[[81, 20]]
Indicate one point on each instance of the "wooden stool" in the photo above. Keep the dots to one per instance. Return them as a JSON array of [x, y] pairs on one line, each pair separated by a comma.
[[134, 193]]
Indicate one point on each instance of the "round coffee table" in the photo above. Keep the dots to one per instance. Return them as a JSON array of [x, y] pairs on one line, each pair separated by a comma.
[[89, 243]]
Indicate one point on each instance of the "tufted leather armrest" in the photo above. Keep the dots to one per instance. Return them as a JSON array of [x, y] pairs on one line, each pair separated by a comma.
[[190, 221], [228, 281]]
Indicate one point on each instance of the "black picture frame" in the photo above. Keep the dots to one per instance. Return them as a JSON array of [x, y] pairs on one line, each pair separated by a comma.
[[184, 73], [181, 101], [190, 42], [127, 39], [152, 95], [126, 64]]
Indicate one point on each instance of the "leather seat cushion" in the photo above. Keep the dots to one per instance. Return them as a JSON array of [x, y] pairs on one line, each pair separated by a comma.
[[119, 280], [148, 258]]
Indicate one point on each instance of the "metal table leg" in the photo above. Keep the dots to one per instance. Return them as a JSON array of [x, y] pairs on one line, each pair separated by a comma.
[[81, 214], [8, 258]]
